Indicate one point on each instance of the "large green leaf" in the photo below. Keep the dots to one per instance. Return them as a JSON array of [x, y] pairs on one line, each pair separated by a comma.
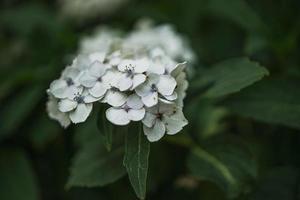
[[227, 166], [277, 184], [272, 101], [17, 181], [105, 128], [231, 76], [40, 136], [137, 150], [93, 165], [21, 105], [237, 11]]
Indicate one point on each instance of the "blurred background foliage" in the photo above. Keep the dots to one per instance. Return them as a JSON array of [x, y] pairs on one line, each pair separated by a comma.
[[242, 145]]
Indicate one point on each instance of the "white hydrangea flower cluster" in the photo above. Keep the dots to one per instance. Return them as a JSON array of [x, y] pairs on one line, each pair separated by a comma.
[[140, 84]]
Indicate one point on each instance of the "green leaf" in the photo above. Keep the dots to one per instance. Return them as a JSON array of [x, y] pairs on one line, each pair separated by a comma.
[[137, 150], [232, 75], [227, 166], [105, 128], [14, 114], [273, 101], [17, 181], [237, 11], [40, 136], [278, 183], [93, 165]]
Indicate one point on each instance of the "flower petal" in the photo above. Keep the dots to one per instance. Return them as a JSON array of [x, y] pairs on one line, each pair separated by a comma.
[[149, 119], [151, 99], [167, 108], [82, 62], [97, 69], [173, 126], [81, 113], [144, 89], [98, 90], [115, 98], [54, 113], [111, 78], [156, 68], [166, 85], [72, 91], [59, 88], [156, 132], [125, 83], [117, 116], [70, 72], [175, 122], [66, 105], [98, 56], [179, 69], [141, 65], [90, 99], [171, 97], [87, 80], [134, 101], [136, 115], [138, 79]]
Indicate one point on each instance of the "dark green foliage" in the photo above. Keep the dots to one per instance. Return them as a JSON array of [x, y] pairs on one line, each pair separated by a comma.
[[243, 107], [137, 150], [18, 181]]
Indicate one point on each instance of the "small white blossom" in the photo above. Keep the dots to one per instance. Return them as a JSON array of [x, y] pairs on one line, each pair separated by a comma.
[[68, 85], [132, 110], [104, 40], [133, 73], [163, 119], [155, 85], [96, 79], [78, 108], [84, 61], [164, 36]]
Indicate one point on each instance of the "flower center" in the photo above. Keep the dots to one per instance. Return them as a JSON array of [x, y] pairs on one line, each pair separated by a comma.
[[69, 81], [130, 73], [159, 116], [79, 99], [127, 108], [99, 79], [153, 88]]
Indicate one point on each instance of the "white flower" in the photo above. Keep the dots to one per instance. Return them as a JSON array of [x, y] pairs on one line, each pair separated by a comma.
[[132, 73], [54, 113], [132, 110], [96, 79], [163, 119], [102, 41], [155, 85], [84, 61], [79, 108], [68, 85], [165, 37]]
